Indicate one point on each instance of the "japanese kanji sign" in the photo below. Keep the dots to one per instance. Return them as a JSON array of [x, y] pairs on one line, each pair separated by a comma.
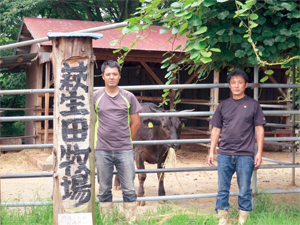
[[74, 168]]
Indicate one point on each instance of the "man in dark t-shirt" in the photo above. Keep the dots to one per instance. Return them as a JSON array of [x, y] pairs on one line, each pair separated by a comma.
[[117, 123], [236, 119]]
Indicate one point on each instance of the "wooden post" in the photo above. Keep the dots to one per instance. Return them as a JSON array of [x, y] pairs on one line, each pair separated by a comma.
[[214, 95], [214, 92], [39, 84], [288, 96], [46, 124], [73, 151], [172, 96]]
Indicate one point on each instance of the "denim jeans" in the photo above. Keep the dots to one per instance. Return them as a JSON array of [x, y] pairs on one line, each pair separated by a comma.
[[243, 166], [124, 162]]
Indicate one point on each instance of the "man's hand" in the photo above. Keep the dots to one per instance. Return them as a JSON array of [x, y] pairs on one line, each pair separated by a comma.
[[210, 159], [260, 134], [214, 138], [257, 161]]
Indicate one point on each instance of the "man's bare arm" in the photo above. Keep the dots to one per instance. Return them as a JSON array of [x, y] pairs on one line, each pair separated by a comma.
[[135, 124], [260, 135], [214, 138]]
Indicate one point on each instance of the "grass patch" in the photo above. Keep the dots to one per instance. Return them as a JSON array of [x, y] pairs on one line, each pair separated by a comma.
[[266, 212], [27, 215]]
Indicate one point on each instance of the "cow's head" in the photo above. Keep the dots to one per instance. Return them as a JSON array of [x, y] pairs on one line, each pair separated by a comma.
[[165, 128]]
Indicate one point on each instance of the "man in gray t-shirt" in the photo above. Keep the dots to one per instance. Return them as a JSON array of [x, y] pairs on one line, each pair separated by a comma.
[[237, 119], [117, 123]]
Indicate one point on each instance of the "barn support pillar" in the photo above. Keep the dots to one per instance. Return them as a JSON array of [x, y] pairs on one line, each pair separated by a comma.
[[74, 119], [254, 175], [47, 97], [214, 94], [294, 123]]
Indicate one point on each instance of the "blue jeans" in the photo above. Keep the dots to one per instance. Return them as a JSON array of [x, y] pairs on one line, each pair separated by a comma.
[[243, 166], [124, 162]]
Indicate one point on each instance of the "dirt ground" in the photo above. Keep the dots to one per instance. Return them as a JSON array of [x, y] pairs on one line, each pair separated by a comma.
[[40, 189]]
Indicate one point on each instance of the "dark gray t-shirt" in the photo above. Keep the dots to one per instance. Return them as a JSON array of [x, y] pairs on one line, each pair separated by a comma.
[[112, 130], [237, 119]]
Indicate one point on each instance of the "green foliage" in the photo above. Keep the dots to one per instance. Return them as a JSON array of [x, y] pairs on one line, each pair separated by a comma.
[[10, 81], [217, 33], [222, 25]]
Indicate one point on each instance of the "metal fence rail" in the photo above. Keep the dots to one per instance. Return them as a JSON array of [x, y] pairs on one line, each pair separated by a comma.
[[282, 165], [162, 114], [156, 198], [157, 142], [151, 142], [152, 87]]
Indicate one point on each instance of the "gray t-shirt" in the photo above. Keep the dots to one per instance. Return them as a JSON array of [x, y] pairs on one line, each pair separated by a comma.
[[237, 119], [113, 119]]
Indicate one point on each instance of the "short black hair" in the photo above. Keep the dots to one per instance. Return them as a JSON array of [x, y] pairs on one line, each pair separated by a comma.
[[111, 64], [238, 72]]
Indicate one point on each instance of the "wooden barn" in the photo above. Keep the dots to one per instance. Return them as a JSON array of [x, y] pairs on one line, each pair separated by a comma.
[[142, 67]]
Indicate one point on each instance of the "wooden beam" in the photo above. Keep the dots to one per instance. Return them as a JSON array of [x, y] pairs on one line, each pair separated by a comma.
[[16, 63], [150, 71], [172, 96], [19, 59], [191, 78], [273, 101], [43, 95], [50, 131], [23, 49], [136, 56], [216, 90], [288, 96], [275, 82], [8, 138], [39, 83], [46, 123], [214, 95], [17, 109]]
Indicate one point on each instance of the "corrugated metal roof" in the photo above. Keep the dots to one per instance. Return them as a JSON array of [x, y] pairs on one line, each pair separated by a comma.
[[39, 27]]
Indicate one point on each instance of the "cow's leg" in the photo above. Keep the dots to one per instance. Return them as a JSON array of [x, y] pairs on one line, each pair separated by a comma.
[[117, 185], [142, 177], [161, 188]]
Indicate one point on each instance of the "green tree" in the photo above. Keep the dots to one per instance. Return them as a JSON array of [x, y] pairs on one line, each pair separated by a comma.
[[11, 14], [222, 33], [10, 81]]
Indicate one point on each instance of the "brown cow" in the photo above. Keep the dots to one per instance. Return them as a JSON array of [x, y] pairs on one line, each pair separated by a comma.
[[155, 128]]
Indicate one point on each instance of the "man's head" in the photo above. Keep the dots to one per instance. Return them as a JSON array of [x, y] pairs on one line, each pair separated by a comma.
[[111, 64], [238, 82], [111, 73], [238, 72]]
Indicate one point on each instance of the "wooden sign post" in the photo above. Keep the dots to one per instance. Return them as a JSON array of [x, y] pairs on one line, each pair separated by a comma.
[[74, 158]]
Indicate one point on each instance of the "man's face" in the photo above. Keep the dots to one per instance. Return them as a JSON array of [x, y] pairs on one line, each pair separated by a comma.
[[111, 77], [237, 86]]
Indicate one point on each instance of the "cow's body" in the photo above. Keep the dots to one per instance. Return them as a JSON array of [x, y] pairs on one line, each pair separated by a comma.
[[154, 128]]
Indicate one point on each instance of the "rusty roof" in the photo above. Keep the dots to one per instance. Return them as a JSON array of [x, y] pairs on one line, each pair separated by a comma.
[[39, 27]]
